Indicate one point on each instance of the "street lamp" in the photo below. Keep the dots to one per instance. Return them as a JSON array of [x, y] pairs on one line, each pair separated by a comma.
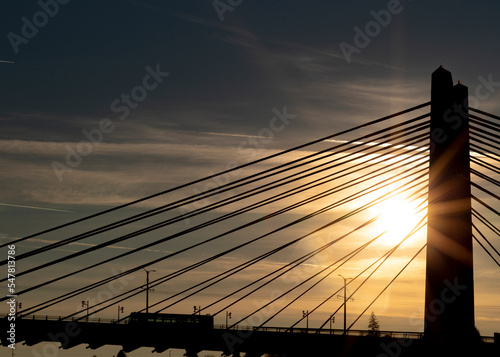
[[332, 320], [147, 288], [197, 310], [86, 303], [120, 309], [306, 315], [345, 302], [228, 316]]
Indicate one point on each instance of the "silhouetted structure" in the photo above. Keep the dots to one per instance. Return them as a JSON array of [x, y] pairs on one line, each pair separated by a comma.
[[449, 297]]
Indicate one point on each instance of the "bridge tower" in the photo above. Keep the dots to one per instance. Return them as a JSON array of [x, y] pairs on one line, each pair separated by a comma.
[[449, 295]]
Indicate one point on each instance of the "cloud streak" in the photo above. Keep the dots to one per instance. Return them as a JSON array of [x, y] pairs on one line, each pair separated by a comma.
[[93, 245], [33, 207]]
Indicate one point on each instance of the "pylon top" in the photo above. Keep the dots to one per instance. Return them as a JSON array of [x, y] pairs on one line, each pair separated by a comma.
[[440, 70]]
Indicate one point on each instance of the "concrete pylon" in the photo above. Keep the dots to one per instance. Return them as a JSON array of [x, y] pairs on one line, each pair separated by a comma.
[[449, 295]]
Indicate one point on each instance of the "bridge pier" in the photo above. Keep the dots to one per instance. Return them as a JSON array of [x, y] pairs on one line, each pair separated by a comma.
[[449, 295], [192, 352]]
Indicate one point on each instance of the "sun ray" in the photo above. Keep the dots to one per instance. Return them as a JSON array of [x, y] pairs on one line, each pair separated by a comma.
[[398, 215]]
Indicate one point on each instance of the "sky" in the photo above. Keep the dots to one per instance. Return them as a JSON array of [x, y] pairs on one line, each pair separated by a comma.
[[104, 102]]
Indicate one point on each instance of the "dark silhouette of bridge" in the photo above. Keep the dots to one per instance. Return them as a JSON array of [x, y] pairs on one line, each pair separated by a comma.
[[425, 158]]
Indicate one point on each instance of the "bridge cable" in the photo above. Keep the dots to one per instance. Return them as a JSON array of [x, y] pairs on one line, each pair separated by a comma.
[[387, 286], [315, 231], [415, 229], [485, 177], [166, 298], [179, 218], [485, 205], [234, 292], [297, 262], [491, 126], [484, 113], [478, 127], [486, 222], [185, 216], [485, 152], [261, 257], [114, 241], [485, 190], [484, 122], [218, 219], [385, 256], [476, 140], [486, 250], [143, 247], [224, 172], [272, 301], [484, 134], [208, 306], [485, 165], [344, 260], [299, 220], [220, 254], [486, 240], [338, 203], [232, 249]]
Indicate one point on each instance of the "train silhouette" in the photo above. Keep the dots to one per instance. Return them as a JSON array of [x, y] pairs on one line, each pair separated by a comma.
[[177, 321]]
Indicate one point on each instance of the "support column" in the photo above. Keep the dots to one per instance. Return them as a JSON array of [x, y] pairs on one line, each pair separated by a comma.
[[449, 296]]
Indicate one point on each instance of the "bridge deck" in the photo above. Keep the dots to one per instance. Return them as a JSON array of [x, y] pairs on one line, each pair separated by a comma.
[[253, 341]]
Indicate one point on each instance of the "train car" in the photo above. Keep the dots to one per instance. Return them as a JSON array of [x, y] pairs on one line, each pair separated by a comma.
[[202, 322]]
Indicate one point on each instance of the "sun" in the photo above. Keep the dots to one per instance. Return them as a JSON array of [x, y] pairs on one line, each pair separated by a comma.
[[398, 217]]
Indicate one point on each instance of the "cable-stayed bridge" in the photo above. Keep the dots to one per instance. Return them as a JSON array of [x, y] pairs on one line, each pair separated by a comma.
[[271, 236]]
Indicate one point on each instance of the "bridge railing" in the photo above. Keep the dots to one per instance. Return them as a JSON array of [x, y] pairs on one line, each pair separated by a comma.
[[390, 334], [488, 339], [59, 318]]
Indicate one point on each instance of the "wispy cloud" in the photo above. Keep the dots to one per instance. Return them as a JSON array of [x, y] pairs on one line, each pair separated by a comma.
[[243, 33], [46, 241], [33, 207], [131, 171], [232, 135]]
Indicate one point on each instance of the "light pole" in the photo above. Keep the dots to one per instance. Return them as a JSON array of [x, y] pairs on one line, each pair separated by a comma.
[[197, 310], [306, 315], [120, 309], [345, 302], [332, 320], [147, 288], [228, 316], [86, 303]]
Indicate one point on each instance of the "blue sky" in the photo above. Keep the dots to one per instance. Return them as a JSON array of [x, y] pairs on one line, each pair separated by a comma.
[[172, 91]]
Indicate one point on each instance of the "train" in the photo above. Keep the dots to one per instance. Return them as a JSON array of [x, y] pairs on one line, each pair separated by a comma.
[[202, 322]]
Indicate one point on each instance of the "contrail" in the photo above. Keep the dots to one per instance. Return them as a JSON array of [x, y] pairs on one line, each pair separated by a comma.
[[2, 61], [46, 241], [233, 135], [32, 207]]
